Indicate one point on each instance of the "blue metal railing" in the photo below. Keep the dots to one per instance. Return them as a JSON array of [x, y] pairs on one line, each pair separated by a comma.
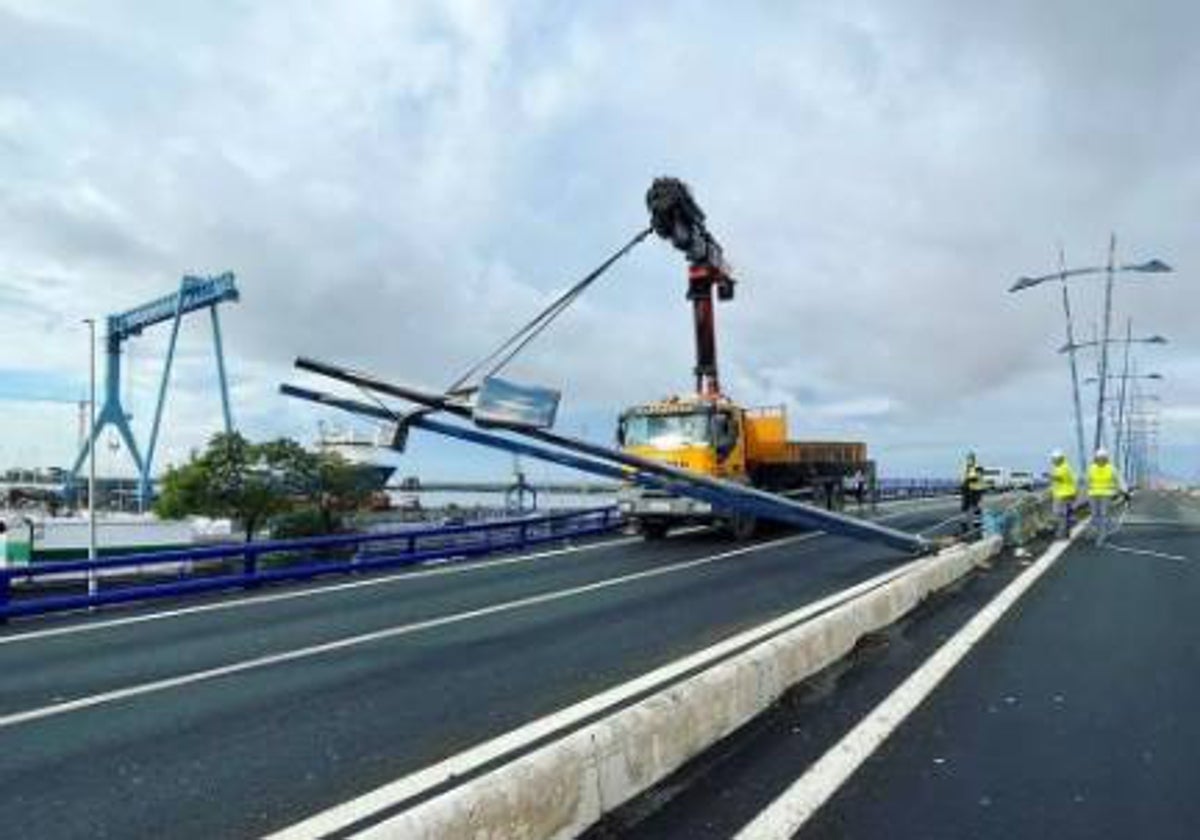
[[249, 565]]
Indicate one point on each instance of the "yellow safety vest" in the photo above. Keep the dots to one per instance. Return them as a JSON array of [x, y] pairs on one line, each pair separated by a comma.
[[1062, 481], [1102, 480], [973, 477]]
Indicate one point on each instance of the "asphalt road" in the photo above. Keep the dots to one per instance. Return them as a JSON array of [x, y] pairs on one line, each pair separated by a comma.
[[236, 717], [1075, 717]]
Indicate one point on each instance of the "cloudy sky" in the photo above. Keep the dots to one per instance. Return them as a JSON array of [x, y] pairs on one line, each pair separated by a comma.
[[398, 184]]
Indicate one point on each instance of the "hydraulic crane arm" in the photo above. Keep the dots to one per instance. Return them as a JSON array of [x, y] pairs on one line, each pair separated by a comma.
[[676, 217]]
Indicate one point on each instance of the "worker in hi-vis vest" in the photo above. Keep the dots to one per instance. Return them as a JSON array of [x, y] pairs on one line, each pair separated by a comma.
[[971, 491], [1103, 486], [1063, 492]]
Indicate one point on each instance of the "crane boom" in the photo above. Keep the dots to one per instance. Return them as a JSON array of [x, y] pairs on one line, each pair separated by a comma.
[[676, 217], [194, 293]]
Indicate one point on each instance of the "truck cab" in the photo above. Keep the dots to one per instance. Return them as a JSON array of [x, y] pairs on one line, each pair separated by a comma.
[[713, 436], [701, 434]]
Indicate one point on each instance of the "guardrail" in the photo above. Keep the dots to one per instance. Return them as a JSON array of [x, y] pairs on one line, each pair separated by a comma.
[[914, 488], [250, 565], [921, 488]]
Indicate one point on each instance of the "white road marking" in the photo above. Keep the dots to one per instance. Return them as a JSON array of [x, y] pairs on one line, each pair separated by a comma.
[[794, 807], [945, 521], [904, 507], [333, 588], [328, 589], [415, 784], [90, 701], [1148, 553]]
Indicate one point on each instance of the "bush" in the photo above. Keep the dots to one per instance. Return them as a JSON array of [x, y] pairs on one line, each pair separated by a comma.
[[304, 522]]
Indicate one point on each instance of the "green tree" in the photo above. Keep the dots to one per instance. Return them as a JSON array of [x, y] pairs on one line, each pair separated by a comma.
[[232, 478], [254, 483]]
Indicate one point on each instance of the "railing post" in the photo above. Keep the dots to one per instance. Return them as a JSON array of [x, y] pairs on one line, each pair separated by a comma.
[[5, 594], [250, 567]]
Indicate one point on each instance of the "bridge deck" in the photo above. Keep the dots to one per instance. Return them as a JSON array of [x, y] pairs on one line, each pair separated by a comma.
[[258, 725]]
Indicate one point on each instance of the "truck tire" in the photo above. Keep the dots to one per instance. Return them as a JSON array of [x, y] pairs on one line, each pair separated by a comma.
[[831, 496], [653, 529], [741, 526]]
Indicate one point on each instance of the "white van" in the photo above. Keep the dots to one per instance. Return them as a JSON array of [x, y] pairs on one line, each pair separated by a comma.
[[996, 478]]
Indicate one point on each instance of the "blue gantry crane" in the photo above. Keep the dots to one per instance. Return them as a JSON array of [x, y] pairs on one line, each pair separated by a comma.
[[194, 295]]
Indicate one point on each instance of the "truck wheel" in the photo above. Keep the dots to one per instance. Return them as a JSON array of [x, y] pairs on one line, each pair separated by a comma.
[[741, 526], [832, 494], [654, 530]]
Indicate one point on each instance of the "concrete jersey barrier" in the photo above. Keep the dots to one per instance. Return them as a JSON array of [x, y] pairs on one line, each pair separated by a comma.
[[560, 789]]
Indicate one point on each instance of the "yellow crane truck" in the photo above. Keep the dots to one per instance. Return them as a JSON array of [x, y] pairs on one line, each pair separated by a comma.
[[707, 432]]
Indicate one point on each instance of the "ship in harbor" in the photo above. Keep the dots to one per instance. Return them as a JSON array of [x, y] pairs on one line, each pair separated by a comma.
[[368, 454]]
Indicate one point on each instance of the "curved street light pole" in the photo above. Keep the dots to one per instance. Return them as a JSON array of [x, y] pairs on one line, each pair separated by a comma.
[[1098, 437], [1121, 399], [1066, 301], [1121, 436], [1110, 270]]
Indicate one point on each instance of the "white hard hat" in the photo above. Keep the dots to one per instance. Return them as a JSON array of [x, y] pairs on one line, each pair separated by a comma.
[[1101, 452], [1057, 455]]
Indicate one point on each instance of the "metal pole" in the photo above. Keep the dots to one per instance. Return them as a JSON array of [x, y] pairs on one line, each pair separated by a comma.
[[1119, 436], [1139, 454], [1066, 298], [216, 326], [91, 580], [147, 465], [1108, 292], [675, 479]]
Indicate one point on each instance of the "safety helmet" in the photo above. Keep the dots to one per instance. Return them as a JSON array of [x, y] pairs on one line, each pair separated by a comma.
[[1102, 453], [1057, 455]]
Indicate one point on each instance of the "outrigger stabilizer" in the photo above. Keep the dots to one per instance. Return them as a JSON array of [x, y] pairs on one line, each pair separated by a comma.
[[583, 455]]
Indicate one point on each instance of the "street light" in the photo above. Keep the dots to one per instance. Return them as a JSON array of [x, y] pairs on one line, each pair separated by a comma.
[[91, 578], [1154, 266], [1062, 275], [1148, 267], [1092, 380], [1128, 340], [1083, 345], [1141, 429], [1120, 437]]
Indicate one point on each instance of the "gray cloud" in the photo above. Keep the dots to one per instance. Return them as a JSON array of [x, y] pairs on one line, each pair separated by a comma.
[[399, 185]]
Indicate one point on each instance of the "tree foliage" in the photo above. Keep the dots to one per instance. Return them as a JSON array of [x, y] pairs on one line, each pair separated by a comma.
[[255, 483]]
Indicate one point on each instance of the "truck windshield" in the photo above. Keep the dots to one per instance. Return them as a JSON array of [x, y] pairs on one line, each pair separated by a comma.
[[666, 430]]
